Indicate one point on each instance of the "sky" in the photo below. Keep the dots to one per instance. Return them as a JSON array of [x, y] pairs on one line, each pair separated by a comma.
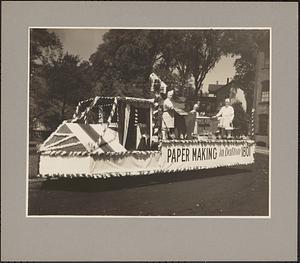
[[84, 42], [223, 69]]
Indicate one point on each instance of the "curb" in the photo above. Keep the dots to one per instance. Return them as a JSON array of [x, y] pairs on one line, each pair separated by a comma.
[[262, 151]]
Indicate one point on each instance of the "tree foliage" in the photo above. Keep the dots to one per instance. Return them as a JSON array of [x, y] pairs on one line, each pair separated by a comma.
[[241, 119], [192, 53], [130, 55], [57, 80], [126, 57], [246, 44], [68, 82], [45, 48], [121, 66]]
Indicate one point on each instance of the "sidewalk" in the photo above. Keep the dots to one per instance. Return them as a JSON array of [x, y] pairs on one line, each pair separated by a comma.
[[260, 149]]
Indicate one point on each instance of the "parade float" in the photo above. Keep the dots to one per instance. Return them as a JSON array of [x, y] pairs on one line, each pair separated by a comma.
[[118, 136]]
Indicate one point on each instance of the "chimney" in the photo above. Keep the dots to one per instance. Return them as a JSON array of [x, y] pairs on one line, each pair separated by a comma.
[[217, 82], [227, 80]]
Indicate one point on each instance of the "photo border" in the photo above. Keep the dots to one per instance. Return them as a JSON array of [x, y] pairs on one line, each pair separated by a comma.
[[152, 28]]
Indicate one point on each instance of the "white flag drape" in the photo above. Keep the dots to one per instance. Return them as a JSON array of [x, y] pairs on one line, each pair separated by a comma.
[[163, 85], [126, 123], [240, 96], [138, 136]]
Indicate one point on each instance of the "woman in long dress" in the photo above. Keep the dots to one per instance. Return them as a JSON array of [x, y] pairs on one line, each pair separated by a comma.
[[168, 118]]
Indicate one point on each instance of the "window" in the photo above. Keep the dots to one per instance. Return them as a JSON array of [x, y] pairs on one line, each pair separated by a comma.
[[263, 124], [265, 91]]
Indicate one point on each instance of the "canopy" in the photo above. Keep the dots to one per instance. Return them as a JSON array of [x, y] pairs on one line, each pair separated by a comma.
[[85, 106]]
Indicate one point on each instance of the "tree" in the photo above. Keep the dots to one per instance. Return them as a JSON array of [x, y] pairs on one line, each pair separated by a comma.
[[174, 65], [240, 120], [204, 50], [126, 57], [193, 53], [69, 82], [246, 44], [45, 50]]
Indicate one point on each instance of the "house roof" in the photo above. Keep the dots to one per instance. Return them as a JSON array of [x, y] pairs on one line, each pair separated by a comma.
[[214, 87]]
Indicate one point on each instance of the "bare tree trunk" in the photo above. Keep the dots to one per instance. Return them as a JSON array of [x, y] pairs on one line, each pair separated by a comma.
[[63, 110], [197, 88]]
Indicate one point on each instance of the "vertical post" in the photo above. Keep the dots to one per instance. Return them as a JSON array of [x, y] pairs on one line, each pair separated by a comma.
[[196, 126], [252, 123], [254, 102], [136, 117], [100, 114], [112, 112], [137, 128], [150, 124]]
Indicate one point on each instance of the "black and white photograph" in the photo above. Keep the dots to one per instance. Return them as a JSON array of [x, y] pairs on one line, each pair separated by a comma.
[[149, 122]]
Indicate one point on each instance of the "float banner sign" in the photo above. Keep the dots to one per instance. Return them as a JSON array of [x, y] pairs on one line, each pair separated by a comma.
[[181, 156]]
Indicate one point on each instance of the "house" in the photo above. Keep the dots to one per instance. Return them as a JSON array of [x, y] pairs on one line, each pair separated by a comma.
[[39, 131], [262, 98], [220, 91], [207, 104]]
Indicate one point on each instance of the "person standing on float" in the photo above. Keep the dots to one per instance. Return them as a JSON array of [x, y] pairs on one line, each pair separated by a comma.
[[168, 118], [226, 115]]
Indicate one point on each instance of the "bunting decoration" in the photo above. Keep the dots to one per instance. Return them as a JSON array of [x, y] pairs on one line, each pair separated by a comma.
[[84, 106], [209, 141]]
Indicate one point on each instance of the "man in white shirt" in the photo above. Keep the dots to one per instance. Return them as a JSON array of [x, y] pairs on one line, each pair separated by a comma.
[[225, 117]]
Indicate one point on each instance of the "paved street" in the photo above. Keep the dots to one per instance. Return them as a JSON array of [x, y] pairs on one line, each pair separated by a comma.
[[238, 191]]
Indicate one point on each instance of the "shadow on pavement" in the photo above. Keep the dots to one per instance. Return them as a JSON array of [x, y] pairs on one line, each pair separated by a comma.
[[118, 183]]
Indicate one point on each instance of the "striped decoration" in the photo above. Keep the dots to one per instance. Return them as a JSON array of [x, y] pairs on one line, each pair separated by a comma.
[[118, 117], [209, 141], [252, 128], [156, 123], [77, 115], [112, 113], [100, 114]]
